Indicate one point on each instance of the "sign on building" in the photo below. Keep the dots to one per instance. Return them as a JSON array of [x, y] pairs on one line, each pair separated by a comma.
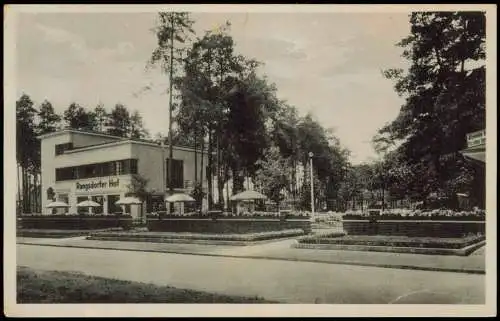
[[476, 139]]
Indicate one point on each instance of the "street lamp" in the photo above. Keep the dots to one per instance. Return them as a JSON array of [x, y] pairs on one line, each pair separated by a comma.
[[312, 183]]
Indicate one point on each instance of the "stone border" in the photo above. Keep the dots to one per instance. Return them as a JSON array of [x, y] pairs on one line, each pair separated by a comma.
[[465, 251]]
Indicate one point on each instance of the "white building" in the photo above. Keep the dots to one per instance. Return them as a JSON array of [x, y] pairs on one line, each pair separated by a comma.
[[79, 165]]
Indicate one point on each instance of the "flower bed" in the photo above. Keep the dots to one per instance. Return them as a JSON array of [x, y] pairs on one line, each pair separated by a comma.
[[414, 228], [400, 214], [163, 236], [226, 225], [218, 214], [396, 241], [74, 222]]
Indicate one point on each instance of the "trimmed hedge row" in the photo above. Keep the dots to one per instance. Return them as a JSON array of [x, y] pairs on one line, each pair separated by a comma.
[[226, 225], [421, 242], [398, 217], [75, 222], [448, 229], [197, 236]]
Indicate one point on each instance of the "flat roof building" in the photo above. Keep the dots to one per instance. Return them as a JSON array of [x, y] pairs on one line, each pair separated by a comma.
[[79, 165]]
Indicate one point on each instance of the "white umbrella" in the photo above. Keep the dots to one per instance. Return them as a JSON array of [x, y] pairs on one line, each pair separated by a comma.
[[179, 197], [57, 204], [248, 195], [88, 203], [128, 201]]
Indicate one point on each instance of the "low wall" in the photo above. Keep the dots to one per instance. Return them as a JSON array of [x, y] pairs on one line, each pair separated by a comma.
[[414, 228], [226, 225], [74, 222]]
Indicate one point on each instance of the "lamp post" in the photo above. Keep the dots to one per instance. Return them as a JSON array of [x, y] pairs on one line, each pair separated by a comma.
[[312, 183]]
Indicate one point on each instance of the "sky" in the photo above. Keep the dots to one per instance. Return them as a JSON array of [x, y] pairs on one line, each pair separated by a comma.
[[328, 64]]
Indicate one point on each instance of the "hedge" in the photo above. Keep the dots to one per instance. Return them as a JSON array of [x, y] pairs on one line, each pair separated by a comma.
[[239, 225], [414, 228], [424, 242], [74, 222], [197, 236], [398, 217]]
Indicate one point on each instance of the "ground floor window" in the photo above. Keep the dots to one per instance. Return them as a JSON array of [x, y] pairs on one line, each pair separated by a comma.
[[155, 203], [62, 198], [82, 210], [112, 207], [98, 199]]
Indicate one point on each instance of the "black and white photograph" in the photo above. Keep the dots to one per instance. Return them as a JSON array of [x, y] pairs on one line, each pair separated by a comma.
[[199, 156]]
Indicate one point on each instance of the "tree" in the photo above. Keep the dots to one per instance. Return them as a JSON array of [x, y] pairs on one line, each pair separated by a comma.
[[119, 121], [76, 117], [137, 129], [445, 96], [173, 29], [49, 121], [101, 117], [137, 187], [274, 175], [27, 148]]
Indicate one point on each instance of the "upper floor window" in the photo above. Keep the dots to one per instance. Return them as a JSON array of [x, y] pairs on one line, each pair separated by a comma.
[[126, 166], [60, 148]]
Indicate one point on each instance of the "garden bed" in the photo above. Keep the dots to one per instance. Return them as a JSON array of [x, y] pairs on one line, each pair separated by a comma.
[[196, 238], [226, 225], [68, 287], [400, 244], [46, 233], [74, 222], [414, 228]]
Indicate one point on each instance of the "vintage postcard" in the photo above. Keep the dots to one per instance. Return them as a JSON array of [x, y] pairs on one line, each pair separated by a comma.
[[250, 160]]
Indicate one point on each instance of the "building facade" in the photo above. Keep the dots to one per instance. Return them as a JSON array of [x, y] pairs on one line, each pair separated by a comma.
[[79, 165]]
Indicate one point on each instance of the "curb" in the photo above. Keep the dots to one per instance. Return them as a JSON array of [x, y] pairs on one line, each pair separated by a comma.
[[388, 266]]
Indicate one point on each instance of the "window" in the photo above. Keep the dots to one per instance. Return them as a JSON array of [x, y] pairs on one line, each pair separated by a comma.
[[112, 207], [100, 200], [60, 148], [66, 173], [128, 166], [177, 173], [82, 210], [118, 168]]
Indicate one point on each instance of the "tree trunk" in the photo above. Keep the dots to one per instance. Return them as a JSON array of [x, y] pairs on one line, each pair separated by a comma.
[[25, 190], [196, 157], [220, 181], [209, 170], [227, 186], [18, 207], [202, 159], [170, 147], [35, 192]]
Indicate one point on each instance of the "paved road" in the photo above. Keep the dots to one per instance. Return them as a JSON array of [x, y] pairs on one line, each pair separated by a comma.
[[290, 282]]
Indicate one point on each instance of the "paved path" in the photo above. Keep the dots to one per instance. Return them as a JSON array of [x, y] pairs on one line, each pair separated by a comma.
[[281, 250], [284, 281]]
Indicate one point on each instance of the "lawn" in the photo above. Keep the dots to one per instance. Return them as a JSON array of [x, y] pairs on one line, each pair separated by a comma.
[[35, 286]]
